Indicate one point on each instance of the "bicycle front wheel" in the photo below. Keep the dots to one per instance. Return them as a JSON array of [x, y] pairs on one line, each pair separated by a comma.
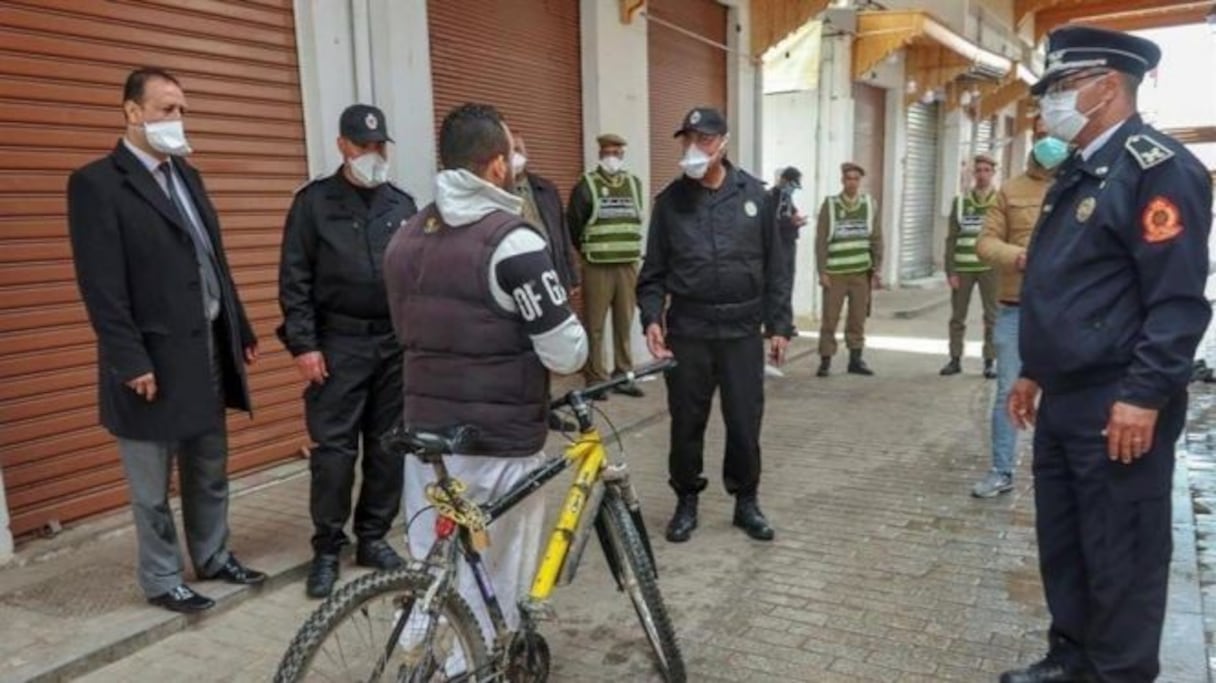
[[369, 630], [635, 573]]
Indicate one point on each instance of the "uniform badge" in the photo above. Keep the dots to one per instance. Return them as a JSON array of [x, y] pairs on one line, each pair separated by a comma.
[[604, 191], [371, 122], [431, 226], [1161, 220], [749, 208], [1085, 209], [695, 118]]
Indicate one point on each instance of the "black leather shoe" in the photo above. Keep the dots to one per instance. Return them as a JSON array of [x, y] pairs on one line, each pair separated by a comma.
[[322, 576], [825, 366], [235, 572], [989, 370], [857, 366], [182, 599], [632, 390], [1048, 670], [558, 423], [378, 554], [749, 518], [684, 520], [952, 368]]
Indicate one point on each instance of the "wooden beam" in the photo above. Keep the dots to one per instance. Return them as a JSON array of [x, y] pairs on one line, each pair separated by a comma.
[[1002, 96], [931, 66], [1190, 135], [773, 20], [630, 9], [1024, 8]]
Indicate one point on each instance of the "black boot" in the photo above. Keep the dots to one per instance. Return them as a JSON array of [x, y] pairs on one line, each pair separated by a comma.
[[825, 366], [989, 369], [322, 576], [954, 367], [857, 366], [749, 518], [1049, 670], [684, 520]]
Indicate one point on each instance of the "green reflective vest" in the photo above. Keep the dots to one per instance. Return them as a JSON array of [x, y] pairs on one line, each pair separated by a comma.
[[970, 210], [613, 234], [850, 226]]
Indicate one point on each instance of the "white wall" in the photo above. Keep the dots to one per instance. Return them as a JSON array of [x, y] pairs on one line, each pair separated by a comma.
[[371, 52], [6, 536]]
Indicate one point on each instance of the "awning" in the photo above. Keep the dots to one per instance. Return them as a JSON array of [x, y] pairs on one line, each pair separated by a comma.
[[1122, 15], [935, 54], [773, 20]]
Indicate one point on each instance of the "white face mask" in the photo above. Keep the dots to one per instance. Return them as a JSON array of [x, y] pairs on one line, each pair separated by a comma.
[[1060, 115], [167, 137], [612, 164], [696, 162], [370, 170], [518, 163]]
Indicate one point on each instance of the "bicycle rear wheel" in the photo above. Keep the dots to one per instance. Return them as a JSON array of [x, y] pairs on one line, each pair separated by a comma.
[[636, 576], [369, 631]]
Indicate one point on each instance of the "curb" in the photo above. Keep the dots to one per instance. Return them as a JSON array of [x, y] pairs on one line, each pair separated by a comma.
[[1184, 655], [932, 305]]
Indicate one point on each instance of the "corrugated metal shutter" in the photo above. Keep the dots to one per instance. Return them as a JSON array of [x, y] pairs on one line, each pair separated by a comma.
[[684, 73], [61, 76], [522, 57], [870, 136], [920, 192]]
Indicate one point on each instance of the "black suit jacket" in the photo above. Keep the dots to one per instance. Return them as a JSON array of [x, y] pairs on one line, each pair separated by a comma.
[[549, 205], [138, 276]]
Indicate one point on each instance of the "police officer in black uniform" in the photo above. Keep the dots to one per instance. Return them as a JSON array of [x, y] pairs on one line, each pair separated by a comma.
[[337, 326], [789, 219], [714, 248], [1112, 310]]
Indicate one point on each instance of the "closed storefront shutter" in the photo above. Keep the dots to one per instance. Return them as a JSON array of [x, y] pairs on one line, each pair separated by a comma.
[[684, 73], [983, 137], [870, 136], [62, 67], [523, 58], [920, 192]]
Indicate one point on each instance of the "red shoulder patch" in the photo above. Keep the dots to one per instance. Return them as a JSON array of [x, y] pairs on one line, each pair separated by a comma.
[[1161, 220]]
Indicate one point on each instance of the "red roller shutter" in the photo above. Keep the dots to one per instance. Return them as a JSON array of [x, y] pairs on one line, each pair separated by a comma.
[[62, 66], [684, 73], [523, 58]]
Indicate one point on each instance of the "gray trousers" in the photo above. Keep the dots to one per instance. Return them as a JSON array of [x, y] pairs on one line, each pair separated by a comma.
[[202, 464], [203, 469]]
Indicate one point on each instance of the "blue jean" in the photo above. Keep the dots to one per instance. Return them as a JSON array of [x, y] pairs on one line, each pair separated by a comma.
[[1008, 365]]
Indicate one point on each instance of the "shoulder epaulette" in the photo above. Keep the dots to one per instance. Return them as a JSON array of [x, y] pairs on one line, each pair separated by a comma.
[[308, 182], [1147, 151], [400, 189]]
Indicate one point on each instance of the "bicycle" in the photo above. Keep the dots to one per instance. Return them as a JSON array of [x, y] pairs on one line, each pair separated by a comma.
[[423, 610]]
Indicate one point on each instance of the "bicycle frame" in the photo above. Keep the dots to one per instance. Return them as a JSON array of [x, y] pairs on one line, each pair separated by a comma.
[[589, 456]]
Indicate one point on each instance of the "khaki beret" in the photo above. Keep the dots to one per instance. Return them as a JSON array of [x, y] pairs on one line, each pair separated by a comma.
[[611, 139], [985, 159], [850, 166]]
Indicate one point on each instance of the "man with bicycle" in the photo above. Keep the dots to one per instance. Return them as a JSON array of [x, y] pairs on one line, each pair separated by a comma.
[[483, 318]]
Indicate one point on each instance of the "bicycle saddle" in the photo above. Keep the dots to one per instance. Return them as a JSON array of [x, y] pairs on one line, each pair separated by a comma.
[[429, 445]]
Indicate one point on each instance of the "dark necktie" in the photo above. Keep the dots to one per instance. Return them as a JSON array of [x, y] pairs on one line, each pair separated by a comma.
[[202, 245]]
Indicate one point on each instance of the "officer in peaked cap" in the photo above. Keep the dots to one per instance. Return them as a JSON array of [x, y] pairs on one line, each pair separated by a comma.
[[1112, 310], [336, 326]]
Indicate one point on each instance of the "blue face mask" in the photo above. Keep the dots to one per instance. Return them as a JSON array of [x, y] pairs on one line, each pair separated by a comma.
[[1050, 152]]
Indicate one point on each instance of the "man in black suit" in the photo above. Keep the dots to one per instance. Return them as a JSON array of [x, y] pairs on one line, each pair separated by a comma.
[[172, 337]]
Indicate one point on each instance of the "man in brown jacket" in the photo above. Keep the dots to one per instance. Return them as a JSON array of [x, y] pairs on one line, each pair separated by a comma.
[[1002, 244], [848, 254]]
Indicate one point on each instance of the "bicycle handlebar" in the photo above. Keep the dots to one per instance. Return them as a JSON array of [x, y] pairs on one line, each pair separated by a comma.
[[578, 397]]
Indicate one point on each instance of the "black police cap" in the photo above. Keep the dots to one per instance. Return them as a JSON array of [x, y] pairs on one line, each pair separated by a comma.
[[705, 120], [363, 123], [1074, 48]]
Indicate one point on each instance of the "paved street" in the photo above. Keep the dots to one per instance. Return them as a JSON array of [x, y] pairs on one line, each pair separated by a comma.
[[884, 569]]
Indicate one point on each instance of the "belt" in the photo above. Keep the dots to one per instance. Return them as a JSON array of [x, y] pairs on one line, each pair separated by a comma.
[[336, 322], [1005, 302], [723, 313]]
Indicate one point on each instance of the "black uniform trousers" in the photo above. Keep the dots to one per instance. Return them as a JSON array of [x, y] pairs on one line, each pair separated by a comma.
[[702, 366], [361, 397], [1104, 534]]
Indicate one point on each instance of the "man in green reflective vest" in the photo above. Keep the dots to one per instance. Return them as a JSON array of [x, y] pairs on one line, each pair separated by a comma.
[[965, 270], [848, 253], [605, 218]]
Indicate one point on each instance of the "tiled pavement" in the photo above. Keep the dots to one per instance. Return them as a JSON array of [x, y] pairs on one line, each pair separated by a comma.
[[883, 569]]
